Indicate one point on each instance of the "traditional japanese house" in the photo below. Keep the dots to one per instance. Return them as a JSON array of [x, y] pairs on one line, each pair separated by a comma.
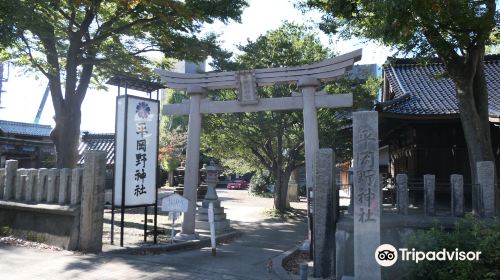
[[98, 142], [27, 143], [419, 119], [104, 142]]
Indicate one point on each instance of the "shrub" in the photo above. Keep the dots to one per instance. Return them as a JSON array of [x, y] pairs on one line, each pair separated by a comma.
[[258, 184], [6, 231], [469, 234]]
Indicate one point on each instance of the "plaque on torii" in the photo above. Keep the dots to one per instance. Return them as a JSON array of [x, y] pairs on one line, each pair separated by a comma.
[[307, 77]]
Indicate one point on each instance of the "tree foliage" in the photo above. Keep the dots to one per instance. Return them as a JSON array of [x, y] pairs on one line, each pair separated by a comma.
[[74, 43], [444, 27], [274, 140], [456, 31]]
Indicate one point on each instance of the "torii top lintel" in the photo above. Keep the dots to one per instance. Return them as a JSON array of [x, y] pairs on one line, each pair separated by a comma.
[[326, 70]]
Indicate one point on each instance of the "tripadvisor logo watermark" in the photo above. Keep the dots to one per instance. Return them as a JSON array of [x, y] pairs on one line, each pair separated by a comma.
[[387, 255]]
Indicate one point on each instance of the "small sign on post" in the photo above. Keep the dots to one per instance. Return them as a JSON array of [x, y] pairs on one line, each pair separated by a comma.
[[211, 220], [173, 217], [174, 204]]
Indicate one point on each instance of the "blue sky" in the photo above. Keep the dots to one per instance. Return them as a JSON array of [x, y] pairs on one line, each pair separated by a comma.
[[24, 92]]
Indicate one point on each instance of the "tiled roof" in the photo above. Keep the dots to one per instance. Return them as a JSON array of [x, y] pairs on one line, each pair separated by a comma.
[[98, 142], [419, 92], [26, 129]]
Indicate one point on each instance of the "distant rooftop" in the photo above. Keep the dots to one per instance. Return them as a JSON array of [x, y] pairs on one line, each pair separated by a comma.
[[26, 129], [98, 142], [415, 89]]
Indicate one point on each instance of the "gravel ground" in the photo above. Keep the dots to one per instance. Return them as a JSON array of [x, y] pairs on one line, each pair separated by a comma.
[[240, 207], [13, 241]]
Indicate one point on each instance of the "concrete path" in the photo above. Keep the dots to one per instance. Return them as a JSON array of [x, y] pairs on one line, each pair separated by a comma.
[[246, 257]]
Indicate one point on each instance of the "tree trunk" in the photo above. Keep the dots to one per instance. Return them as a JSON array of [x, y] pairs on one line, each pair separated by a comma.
[[281, 189], [171, 178], [472, 95], [66, 135]]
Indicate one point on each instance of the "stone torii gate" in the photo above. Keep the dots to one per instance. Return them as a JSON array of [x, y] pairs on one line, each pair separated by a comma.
[[307, 77]]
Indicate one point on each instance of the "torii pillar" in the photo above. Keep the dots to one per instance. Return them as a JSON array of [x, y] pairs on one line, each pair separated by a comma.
[[308, 86], [191, 173]]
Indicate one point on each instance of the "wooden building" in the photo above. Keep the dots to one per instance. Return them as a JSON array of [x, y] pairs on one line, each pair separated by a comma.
[[419, 119], [28, 143]]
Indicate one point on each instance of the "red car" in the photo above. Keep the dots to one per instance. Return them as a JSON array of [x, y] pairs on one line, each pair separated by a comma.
[[237, 185]]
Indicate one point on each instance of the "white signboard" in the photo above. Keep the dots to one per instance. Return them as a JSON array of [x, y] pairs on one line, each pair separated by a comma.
[[136, 150], [174, 203]]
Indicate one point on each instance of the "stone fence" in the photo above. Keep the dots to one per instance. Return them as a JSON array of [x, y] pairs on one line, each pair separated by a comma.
[[483, 193], [56, 206], [61, 186], [403, 193]]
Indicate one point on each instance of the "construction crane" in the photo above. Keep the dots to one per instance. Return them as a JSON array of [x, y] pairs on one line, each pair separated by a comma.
[[2, 79], [42, 104]]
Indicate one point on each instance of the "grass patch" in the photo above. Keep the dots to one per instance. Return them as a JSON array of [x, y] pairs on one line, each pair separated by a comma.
[[262, 194], [33, 237], [288, 215]]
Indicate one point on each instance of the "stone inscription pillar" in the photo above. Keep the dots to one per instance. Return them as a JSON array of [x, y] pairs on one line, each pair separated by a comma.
[[191, 176], [325, 211], [366, 195]]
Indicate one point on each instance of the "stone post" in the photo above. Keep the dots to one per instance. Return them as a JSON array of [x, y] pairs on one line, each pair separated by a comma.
[[457, 195], [41, 185], [429, 194], [76, 183], [30, 184], [92, 205], [486, 181], [324, 214], [402, 189], [2, 182], [191, 176], [20, 184], [64, 181], [53, 174], [10, 179], [366, 195]]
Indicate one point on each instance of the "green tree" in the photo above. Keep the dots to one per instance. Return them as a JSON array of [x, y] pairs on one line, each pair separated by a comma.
[[270, 140], [77, 42], [456, 31]]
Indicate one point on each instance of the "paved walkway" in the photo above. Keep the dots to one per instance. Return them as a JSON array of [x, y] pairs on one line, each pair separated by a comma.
[[246, 257]]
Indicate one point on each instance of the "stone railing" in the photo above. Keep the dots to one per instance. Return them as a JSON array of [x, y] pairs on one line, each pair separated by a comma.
[[61, 207], [60, 186]]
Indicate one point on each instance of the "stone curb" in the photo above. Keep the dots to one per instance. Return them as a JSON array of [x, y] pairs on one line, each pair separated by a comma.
[[278, 264], [282, 273], [162, 248]]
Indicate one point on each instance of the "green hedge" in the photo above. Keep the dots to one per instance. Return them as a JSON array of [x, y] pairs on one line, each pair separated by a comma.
[[469, 234]]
